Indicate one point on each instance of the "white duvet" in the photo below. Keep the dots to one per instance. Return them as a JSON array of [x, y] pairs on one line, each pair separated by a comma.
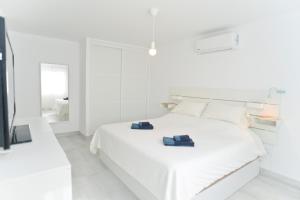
[[178, 173]]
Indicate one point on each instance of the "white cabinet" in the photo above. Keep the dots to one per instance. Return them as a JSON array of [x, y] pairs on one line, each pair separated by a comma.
[[104, 81], [116, 83], [38, 170], [134, 85]]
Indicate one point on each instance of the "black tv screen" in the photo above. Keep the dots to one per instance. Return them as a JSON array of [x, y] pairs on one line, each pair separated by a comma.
[[7, 88]]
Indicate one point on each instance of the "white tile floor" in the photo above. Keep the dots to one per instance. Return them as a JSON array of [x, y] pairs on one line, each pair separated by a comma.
[[92, 180]]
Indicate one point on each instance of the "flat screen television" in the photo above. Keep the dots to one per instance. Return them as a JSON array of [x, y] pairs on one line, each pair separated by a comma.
[[9, 134], [7, 88]]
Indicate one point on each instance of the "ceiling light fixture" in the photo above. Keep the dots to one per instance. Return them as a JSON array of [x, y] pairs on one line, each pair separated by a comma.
[[152, 50]]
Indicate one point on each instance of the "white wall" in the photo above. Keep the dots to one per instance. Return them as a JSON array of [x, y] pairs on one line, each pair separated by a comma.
[[82, 107], [30, 51], [269, 56]]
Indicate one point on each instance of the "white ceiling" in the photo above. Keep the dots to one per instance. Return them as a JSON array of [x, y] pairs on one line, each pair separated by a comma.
[[128, 21]]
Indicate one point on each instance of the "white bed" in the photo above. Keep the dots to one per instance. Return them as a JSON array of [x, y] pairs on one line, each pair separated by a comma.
[[178, 173], [62, 109]]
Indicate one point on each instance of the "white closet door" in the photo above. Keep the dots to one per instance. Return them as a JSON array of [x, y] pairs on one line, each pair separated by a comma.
[[134, 85], [104, 85]]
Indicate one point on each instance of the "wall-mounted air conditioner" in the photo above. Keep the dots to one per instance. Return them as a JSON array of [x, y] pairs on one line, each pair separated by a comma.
[[222, 42]]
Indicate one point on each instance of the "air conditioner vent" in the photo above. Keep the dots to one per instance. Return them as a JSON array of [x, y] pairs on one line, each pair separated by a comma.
[[223, 42]]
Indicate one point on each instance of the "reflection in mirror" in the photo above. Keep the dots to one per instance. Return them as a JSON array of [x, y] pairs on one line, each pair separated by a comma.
[[54, 92]]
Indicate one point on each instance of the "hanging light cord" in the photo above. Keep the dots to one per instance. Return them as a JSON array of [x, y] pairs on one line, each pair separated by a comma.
[[153, 28], [152, 49]]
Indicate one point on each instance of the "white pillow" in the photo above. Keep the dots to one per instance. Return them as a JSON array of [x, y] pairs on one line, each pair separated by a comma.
[[225, 112], [189, 108]]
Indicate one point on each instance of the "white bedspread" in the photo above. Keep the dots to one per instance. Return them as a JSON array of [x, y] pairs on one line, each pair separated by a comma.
[[178, 173]]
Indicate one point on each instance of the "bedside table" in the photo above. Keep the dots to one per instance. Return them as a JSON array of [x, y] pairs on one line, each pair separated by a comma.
[[265, 128]]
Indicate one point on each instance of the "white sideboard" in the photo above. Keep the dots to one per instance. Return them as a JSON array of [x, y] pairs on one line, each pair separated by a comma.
[[38, 170]]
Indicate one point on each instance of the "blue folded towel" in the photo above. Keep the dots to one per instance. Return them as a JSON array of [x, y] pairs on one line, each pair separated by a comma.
[[168, 141], [142, 126], [182, 138]]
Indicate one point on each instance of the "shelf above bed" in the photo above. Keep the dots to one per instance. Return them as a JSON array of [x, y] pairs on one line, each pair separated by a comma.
[[264, 123]]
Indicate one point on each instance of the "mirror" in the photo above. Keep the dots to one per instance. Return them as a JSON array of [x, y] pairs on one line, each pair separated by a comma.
[[54, 92]]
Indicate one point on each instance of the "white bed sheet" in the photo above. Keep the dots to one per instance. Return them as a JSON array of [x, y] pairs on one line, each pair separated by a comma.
[[178, 173]]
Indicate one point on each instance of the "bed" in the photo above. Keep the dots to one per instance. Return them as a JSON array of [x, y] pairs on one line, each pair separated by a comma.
[[158, 172], [62, 109], [226, 155]]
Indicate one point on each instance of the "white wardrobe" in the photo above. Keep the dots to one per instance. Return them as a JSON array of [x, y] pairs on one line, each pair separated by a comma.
[[116, 84]]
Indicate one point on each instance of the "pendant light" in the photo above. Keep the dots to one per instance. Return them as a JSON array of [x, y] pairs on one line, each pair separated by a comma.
[[152, 50]]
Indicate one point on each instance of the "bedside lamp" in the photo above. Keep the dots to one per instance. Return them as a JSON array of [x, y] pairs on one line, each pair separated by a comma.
[[263, 116], [269, 111]]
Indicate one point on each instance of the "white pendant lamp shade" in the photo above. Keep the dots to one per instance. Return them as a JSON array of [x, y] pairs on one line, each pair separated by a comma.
[[152, 50]]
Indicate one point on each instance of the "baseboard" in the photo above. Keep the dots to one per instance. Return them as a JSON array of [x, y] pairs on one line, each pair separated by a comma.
[[67, 133], [281, 178]]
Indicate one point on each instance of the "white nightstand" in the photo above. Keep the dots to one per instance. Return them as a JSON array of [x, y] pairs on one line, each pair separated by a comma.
[[265, 128]]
